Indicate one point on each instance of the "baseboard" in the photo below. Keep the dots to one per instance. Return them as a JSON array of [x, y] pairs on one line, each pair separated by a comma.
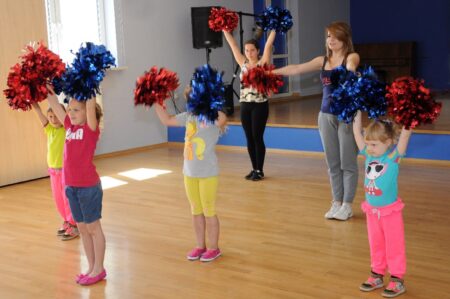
[[422, 146]]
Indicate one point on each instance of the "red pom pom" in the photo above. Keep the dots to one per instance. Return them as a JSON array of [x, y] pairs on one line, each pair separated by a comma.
[[262, 79], [27, 81], [222, 19], [411, 103], [155, 86]]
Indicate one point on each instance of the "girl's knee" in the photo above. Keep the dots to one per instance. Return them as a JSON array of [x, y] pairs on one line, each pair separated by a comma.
[[93, 227], [209, 212], [82, 228]]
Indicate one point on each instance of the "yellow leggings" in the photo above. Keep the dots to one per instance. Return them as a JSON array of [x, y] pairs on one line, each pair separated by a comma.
[[202, 193]]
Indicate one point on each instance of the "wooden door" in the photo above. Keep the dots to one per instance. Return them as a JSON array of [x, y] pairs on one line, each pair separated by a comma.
[[22, 140]]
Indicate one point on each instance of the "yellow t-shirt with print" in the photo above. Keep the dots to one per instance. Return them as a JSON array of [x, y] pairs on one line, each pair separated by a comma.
[[55, 145]]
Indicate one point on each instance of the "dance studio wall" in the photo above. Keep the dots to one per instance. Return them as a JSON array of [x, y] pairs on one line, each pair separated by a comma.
[[310, 20], [306, 39], [426, 22], [156, 33]]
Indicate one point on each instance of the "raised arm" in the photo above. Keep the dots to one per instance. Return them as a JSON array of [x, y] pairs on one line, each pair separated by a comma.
[[54, 104], [265, 59], [403, 140], [357, 131], [296, 69], [238, 56], [91, 116], [352, 62], [43, 119], [165, 118]]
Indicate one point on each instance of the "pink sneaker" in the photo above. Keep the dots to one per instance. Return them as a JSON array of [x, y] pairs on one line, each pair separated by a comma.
[[88, 280], [71, 233], [210, 254], [80, 277], [65, 226], [195, 254]]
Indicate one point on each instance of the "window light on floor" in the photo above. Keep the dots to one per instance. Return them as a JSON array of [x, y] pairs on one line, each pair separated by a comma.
[[140, 174], [109, 182]]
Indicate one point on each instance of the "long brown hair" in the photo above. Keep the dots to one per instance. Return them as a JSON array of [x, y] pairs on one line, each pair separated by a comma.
[[343, 33]]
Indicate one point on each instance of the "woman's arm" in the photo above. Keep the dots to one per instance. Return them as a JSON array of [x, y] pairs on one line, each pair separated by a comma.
[[296, 69], [41, 116], [403, 141], [91, 116], [357, 131], [238, 56], [55, 105], [265, 59], [352, 62], [165, 118]]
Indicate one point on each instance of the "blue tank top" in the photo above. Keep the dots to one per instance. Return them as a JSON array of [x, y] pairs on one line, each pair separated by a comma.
[[327, 89]]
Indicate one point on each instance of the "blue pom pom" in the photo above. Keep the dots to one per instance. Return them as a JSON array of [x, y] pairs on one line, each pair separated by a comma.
[[343, 103], [275, 18], [206, 98], [58, 84], [371, 93], [82, 79], [352, 92]]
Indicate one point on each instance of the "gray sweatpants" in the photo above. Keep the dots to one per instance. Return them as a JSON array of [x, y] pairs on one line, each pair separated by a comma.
[[341, 155]]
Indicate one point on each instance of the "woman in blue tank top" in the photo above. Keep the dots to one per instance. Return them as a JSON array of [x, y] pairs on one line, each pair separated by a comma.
[[337, 137]]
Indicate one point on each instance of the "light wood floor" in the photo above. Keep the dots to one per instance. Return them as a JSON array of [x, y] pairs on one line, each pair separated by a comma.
[[275, 241], [303, 111]]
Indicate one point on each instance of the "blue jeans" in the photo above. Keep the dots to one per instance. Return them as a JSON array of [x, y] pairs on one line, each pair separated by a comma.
[[85, 202]]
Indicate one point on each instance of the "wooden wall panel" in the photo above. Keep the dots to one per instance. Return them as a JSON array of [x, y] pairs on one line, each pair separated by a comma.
[[22, 141]]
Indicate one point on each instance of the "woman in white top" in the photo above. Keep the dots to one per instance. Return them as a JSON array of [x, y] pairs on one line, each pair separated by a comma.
[[254, 105]]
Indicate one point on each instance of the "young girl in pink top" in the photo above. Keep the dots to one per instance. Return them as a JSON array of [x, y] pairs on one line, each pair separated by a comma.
[[55, 143], [83, 187]]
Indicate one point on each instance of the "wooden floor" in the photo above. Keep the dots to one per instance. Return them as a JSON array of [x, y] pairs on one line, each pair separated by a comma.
[[303, 111], [275, 240]]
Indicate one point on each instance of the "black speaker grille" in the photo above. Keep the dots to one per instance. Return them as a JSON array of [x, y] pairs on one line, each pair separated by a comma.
[[202, 36]]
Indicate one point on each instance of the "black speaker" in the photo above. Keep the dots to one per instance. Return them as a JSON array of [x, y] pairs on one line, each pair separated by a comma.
[[202, 36], [229, 103]]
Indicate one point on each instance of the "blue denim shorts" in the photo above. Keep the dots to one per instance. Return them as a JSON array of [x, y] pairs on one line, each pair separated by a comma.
[[85, 202]]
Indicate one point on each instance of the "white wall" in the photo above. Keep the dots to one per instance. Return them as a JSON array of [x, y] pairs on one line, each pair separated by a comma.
[[156, 33], [308, 37]]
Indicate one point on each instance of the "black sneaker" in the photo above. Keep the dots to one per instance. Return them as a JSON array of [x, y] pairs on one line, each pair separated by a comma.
[[257, 176], [250, 175], [261, 173]]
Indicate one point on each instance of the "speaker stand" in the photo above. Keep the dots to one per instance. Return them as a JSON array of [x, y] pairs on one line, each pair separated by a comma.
[[208, 51]]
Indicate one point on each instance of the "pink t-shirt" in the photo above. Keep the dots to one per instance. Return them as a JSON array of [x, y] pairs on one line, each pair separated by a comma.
[[79, 148]]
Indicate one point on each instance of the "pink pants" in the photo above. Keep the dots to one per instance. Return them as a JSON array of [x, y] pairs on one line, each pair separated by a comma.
[[386, 238], [59, 194]]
